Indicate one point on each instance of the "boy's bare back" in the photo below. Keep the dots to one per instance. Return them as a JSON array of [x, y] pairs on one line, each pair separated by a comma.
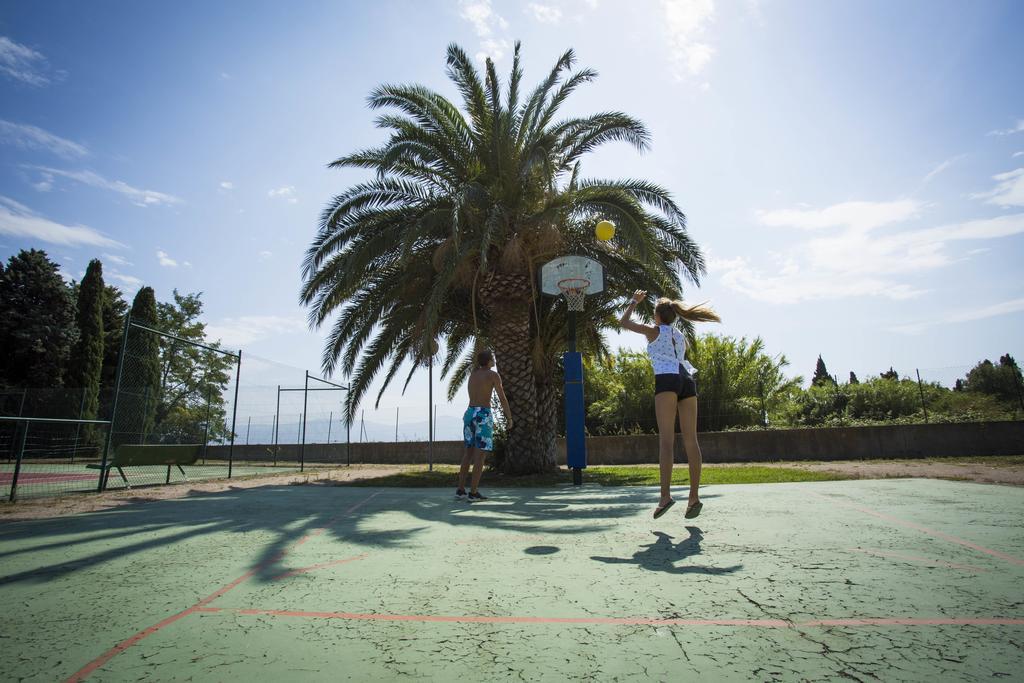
[[481, 384]]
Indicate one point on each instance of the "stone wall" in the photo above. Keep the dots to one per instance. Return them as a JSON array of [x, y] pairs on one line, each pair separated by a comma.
[[840, 443]]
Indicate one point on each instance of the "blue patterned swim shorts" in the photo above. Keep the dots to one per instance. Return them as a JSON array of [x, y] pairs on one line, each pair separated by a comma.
[[478, 428]]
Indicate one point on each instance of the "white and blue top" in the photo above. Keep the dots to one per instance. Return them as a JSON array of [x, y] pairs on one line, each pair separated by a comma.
[[667, 352]]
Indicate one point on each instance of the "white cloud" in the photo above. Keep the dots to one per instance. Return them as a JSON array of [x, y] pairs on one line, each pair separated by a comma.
[[129, 280], [286, 193], [225, 76], [22, 63], [493, 48], [687, 22], [1009, 131], [940, 168], [1002, 308], [545, 14], [45, 184], [482, 16], [485, 23], [119, 260], [854, 215], [227, 185], [853, 259], [32, 137], [264, 255], [165, 260], [1017, 154], [136, 196], [18, 220], [246, 329], [1009, 190]]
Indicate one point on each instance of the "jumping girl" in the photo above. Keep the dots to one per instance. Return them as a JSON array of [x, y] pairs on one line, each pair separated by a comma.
[[675, 390]]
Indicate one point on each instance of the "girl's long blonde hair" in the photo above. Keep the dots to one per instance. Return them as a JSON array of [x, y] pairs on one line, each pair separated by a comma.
[[668, 310]]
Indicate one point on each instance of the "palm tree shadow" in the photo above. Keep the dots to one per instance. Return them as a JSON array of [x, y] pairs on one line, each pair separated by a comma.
[[663, 554], [287, 514]]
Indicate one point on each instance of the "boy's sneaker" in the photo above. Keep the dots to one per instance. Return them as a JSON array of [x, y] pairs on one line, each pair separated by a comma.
[[476, 497], [460, 494]]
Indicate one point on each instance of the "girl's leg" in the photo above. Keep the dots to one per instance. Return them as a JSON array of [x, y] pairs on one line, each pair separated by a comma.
[[665, 411], [688, 425]]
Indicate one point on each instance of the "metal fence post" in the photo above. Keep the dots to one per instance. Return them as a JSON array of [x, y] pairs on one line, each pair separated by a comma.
[[276, 426], [113, 409], [22, 436], [206, 433], [920, 388], [302, 448], [234, 415], [430, 423], [277, 423], [78, 428]]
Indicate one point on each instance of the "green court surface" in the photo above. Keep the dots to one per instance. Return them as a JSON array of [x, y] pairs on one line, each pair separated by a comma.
[[908, 580], [37, 480]]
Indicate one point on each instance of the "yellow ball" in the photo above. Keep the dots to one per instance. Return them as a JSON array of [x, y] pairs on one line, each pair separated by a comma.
[[605, 230]]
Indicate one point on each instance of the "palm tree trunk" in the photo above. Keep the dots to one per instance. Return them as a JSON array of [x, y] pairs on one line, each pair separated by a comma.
[[531, 441], [547, 402]]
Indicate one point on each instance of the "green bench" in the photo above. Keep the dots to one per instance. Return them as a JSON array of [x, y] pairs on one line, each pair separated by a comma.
[[134, 455]]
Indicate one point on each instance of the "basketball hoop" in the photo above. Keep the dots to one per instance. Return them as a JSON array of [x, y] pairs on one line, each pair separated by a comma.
[[574, 289]]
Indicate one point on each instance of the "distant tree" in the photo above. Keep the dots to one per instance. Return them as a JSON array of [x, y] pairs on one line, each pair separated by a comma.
[[619, 393], [86, 362], [853, 378], [891, 374], [821, 376], [37, 322], [1002, 381], [737, 378], [115, 308], [189, 375], [140, 378]]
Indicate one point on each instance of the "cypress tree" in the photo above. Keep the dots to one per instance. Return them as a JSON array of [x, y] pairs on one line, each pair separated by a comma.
[[86, 361], [140, 380], [853, 378], [821, 376]]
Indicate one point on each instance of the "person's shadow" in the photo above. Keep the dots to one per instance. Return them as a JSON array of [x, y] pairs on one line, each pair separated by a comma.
[[663, 554]]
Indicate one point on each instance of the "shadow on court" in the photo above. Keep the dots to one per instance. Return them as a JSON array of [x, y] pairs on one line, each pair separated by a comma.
[[664, 555], [889, 580], [286, 515]]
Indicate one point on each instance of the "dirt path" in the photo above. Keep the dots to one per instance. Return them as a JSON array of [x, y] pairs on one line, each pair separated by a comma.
[[996, 471], [1001, 470]]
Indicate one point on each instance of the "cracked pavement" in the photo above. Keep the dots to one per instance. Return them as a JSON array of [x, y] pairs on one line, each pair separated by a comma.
[[911, 580]]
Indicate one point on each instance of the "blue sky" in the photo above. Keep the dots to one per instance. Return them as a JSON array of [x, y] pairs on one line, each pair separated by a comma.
[[853, 171]]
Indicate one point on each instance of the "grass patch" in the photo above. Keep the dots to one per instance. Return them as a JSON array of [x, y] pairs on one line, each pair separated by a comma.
[[444, 476]]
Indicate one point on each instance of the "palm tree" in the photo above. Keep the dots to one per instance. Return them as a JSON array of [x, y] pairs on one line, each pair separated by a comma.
[[445, 240]]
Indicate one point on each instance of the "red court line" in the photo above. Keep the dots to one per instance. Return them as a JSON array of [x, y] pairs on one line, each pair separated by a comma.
[[750, 623], [931, 532], [303, 570], [200, 606]]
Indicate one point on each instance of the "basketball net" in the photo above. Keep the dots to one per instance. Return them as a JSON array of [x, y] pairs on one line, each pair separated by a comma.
[[574, 289]]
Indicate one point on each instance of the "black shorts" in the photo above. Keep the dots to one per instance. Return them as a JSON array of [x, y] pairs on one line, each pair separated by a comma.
[[682, 384]]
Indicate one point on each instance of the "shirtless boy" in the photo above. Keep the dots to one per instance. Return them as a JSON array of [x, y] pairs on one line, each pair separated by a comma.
[[478, 423]]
